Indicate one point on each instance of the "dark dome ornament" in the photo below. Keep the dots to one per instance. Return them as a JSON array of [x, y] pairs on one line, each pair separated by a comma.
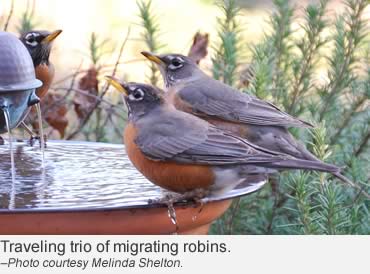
[[17, 81]]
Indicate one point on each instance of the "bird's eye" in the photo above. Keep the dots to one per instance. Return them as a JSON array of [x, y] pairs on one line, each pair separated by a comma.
[[31, 39], [176, 63], [137, 95]]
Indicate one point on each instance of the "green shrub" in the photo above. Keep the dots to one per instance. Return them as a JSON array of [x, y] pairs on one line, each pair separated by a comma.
[[284, 69]]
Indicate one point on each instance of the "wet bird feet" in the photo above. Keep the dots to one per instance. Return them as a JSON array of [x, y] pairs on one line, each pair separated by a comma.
[[34, 139]]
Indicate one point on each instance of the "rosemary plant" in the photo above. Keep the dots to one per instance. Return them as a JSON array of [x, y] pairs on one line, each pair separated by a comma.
[[27, 20], [285, 72], [226, 58], [150, 35]]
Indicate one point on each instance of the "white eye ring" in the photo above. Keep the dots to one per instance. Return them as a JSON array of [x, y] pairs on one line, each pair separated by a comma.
[[173, 67], [137, 95], [29, 36]]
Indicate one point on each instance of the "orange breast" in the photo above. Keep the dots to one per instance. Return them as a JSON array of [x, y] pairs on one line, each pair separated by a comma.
[[45, 73], [172, 176]]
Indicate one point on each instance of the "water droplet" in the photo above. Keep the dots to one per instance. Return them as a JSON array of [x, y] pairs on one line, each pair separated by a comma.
[[172, 215]]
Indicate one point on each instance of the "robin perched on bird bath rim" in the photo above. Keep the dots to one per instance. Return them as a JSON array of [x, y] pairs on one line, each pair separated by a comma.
[[183, 153]]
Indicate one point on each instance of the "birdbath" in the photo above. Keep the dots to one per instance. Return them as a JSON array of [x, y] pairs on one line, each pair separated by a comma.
[[92, 188]]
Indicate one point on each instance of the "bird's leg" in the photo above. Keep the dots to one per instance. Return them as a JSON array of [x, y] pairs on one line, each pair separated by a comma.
[[195, 195], [170, 199], [30, 132], [33, 136]]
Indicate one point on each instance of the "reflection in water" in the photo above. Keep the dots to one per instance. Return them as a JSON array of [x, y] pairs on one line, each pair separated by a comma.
[[76, 175]]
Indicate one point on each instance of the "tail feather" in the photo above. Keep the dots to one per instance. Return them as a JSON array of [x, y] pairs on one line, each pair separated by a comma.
[[348, 181], [311, 165], [344, 179], [294, 163], [318, 166], [306, 124]]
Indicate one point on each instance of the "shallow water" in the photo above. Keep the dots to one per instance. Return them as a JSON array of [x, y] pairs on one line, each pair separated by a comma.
[[76, 175]]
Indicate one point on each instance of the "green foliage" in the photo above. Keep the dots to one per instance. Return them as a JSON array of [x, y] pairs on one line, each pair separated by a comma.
[[27, 20], [150, 35], [350, 31], [285, 68], [281, 23], [97, 48], [308, 46], [226, 58]]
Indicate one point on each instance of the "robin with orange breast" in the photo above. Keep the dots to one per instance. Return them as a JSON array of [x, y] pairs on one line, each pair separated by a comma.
[[39, 44], [189, 89], [181, 152]]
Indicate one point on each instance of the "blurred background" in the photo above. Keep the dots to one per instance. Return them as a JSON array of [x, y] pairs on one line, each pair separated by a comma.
[[95, 30], [110, 20]]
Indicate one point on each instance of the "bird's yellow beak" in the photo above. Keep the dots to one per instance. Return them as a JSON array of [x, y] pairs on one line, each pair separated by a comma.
[[152, 57], [51, 36], [116, 84]]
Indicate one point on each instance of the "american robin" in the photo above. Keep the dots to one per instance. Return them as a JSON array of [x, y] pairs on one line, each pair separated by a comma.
[[39, 45], [181, 152], [262, 123]]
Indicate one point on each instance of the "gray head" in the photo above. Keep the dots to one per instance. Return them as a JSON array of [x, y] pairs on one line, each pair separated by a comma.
[[38, 44], [175, 68], [140, 98]]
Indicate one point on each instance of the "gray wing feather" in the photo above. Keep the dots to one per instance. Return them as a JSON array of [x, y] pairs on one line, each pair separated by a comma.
[[188, 139], [217, 99]]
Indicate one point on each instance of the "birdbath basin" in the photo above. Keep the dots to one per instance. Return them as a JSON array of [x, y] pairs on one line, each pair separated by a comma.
[[92, 188]]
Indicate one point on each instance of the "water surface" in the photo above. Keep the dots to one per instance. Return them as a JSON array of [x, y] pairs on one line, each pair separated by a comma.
[[81, 175]]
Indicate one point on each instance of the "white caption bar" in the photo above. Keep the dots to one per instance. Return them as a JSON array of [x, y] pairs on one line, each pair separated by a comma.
[[181, 254]]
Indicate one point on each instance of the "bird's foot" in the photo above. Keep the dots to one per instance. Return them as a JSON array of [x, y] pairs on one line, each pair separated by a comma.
[[195, 196], [34, 139], [170, 199], [1, 141]]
